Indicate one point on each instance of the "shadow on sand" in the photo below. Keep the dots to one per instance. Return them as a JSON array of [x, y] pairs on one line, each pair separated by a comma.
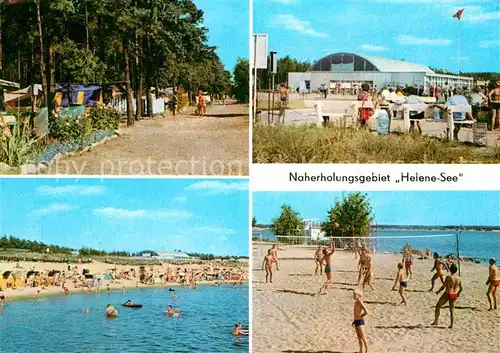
[[462, 307], [289, 291], [384, 278], [347, 271], [381, 303], [410, 327], [301, 274]]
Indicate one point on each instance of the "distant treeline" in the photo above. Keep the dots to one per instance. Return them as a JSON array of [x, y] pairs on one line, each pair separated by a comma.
[[39, 247], [389, 226], [212, 256]]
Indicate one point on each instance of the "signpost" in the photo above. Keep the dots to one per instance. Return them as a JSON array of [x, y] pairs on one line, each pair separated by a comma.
[[259, 61]]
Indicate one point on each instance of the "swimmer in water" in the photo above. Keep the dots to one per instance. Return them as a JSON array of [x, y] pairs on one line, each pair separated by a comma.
[[239, 331], [38, 294], [86, 312], [2, 300], [360, 312], [493, 282], [403, 283], [107, 288], [439, 266], [174, 296], [111, 311], [453, 288], [171, 312], [66, 290], [171, 290]]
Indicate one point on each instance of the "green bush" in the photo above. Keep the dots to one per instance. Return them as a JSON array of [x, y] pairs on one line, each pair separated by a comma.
[[18, 146], [104, 118], [69, 128]]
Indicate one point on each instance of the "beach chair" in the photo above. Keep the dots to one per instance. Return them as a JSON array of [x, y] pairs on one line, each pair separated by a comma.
[[467, 109], [408, 109]]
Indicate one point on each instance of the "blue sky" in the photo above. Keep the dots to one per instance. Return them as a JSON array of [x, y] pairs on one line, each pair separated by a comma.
[[125, 214], [228, 25], [399, 208], [422, 31]]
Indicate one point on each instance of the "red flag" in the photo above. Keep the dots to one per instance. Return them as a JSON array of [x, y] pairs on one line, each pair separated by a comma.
[[459, 14]]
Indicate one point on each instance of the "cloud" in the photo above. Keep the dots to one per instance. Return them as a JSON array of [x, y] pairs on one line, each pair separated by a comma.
[[215, 187], [370, 47], [54, 208], [411, 40], [218, 230], [489, 43], [293, 23], [180, 199], [80, 190], [113, 212]]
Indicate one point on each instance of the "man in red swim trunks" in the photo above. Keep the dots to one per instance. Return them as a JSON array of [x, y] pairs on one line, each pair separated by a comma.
[[493, 283], [453, 288]]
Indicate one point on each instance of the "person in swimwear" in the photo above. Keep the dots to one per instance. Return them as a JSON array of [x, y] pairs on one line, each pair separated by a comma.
[[403, 283], [274, 252], [111, 311], [201, 104], [369, 272], [317, 259], [2, 300], [493, 282], [439, 266], [86, 312], [66, 290], [171, 312], [494, 96], [453, 289], [283, 100], [128, 303], [363, 253], [360, 312], [239, 331], [327, 258], [408, 262], [268, 264]]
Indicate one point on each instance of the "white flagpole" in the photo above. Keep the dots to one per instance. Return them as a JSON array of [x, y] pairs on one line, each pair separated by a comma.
[[459, 33]]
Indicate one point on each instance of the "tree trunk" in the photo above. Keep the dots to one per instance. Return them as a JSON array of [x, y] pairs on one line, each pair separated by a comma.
[[138, 90], [130, 107], [51, 79], [138, 84], [149, 98], [42, 56]]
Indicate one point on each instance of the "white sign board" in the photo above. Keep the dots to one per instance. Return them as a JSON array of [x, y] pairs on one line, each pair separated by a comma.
[[258, 52]]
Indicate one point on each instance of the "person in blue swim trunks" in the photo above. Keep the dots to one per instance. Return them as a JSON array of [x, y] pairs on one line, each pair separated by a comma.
[[360, 312], [327, 258], [403, 283]]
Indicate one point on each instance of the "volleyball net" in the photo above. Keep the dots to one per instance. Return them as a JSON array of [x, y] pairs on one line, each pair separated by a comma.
[[423, 245]]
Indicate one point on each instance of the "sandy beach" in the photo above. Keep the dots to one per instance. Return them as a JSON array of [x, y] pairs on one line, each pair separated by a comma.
[[288, 317], [96, 267]]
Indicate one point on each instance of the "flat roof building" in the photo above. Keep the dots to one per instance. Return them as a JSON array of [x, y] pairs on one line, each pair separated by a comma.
[[350, 70]]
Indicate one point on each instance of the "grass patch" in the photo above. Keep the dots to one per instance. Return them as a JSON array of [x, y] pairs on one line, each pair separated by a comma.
[[311, 144]]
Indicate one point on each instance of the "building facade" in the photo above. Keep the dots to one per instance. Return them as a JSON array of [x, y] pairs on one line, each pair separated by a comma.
[[348, 71]]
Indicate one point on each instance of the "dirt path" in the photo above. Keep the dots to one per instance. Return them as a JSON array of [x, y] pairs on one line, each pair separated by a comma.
[[184, 145]]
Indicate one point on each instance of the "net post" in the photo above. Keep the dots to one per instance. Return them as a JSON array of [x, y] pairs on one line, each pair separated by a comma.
[[458, 250]]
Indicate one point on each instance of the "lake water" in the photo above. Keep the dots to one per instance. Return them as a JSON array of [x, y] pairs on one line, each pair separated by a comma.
[[480, 245], [57, 324]]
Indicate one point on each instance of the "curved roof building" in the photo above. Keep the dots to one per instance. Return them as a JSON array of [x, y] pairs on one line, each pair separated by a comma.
[[353, 69]]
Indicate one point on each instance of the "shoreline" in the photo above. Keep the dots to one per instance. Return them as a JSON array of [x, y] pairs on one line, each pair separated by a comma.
[[14, 296]]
